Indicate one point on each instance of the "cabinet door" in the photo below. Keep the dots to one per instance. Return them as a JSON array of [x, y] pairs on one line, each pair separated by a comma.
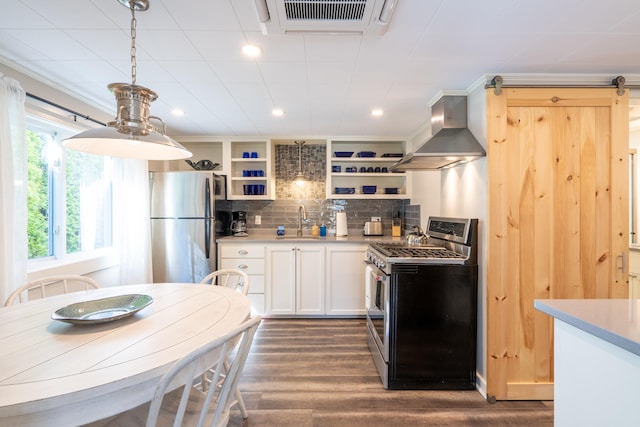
[[310, 279], [345, 279], [281, 267]]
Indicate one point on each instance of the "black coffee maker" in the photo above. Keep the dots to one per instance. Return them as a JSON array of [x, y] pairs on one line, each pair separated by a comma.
[[223, 223], [239, 223]]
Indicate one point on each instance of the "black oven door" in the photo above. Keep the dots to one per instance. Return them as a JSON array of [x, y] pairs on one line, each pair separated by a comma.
[[377, 307]]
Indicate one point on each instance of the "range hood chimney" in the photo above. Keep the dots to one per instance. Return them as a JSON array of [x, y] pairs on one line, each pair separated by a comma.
[[451, 142]]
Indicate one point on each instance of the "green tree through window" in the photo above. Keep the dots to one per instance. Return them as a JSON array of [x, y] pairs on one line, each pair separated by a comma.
[[69, 198], [37, 197]]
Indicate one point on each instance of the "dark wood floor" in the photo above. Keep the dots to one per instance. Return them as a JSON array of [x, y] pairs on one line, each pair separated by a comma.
[[318, 372]]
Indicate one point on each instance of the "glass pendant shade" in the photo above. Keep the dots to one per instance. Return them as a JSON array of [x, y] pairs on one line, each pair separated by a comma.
[[299, 180]]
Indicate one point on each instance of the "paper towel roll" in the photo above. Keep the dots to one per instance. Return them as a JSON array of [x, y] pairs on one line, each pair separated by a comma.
[[341, 224]]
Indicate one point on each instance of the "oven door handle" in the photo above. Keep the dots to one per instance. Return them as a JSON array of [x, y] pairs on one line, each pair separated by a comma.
[[380, 275]]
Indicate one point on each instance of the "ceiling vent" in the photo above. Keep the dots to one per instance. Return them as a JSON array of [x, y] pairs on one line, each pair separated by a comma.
[[325, 17]]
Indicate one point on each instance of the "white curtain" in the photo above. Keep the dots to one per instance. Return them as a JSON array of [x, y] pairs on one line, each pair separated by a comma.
[[133, 226], [13, 187]]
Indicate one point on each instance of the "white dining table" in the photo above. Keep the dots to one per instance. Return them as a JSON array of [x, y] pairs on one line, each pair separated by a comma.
[[53, 373]]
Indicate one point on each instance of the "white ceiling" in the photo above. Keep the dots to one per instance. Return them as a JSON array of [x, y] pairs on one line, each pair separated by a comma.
[[189, 53]]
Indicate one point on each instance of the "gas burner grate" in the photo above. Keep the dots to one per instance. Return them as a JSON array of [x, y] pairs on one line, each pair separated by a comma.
[[391, 250], [440, 253]]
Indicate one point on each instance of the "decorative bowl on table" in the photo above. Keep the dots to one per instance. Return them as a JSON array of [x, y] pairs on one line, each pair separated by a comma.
[[343, 153], [369, 189], [102, 310], [345, 190], [366, 154]]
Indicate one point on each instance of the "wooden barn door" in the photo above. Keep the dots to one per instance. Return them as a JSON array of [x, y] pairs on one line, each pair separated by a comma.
[[558, 221]]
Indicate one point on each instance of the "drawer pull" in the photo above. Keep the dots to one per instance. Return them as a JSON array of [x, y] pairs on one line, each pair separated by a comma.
[[242, 252], [243, 266]]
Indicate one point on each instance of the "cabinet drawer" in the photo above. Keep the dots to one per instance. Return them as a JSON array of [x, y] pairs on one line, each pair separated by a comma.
[[248, 265], [241, 251]]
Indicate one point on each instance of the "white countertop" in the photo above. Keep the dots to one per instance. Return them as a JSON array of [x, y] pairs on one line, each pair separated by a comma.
[[614, 320], [269, 236]]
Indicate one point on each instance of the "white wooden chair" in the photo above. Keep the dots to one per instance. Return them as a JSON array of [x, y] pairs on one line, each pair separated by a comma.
[[175, 402], [238, 280], [230, 278], [49, 286]]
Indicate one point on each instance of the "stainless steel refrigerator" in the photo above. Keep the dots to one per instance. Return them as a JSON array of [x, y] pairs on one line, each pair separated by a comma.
[[183, 224]]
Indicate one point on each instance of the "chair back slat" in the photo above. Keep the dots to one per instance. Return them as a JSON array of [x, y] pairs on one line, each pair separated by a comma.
[[49, 286], [215, 405], [230, 278]]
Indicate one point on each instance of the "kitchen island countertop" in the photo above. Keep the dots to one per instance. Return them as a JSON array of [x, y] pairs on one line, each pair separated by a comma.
[[269, 236], [596, 360], [616, 321]]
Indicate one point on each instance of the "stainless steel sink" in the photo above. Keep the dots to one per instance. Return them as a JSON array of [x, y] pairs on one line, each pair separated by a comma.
[[297, 238]]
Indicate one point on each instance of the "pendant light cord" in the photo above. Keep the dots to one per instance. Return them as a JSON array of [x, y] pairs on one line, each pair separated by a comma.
[[134, 24]]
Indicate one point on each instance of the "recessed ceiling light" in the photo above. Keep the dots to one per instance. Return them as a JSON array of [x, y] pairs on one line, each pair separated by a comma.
[[277, 112], [177, 112], [377, 112], [251, 50]]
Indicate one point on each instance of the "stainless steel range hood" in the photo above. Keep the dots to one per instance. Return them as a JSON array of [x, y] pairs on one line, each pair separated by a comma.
[[451, 144]]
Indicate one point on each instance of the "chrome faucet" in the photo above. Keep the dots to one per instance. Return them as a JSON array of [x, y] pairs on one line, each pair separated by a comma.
[[302, 214]]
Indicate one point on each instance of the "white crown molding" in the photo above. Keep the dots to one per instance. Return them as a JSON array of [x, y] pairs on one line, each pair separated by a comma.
[[446, 92]]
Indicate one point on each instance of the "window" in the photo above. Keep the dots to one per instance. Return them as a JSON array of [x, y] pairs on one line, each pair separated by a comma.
[[69, 195]]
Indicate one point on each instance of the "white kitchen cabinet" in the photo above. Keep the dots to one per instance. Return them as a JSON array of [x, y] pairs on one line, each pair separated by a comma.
[[389, 185], [345, 279], [295, 279], [262, 164], [250, 258]]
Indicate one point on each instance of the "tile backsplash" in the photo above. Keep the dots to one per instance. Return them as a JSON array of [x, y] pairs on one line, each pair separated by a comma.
[[289, 197], [314, 166], [323, 211]]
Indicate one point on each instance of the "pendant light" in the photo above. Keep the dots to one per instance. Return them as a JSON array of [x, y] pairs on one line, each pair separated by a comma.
[[131, 134], [299, 179]]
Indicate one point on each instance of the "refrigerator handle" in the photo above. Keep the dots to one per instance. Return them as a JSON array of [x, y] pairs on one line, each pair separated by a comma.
[[207, 216], [207, 198], [207, 237]]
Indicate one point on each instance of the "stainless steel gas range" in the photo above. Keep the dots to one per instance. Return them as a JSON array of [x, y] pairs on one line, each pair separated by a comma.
[[421, 304]]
